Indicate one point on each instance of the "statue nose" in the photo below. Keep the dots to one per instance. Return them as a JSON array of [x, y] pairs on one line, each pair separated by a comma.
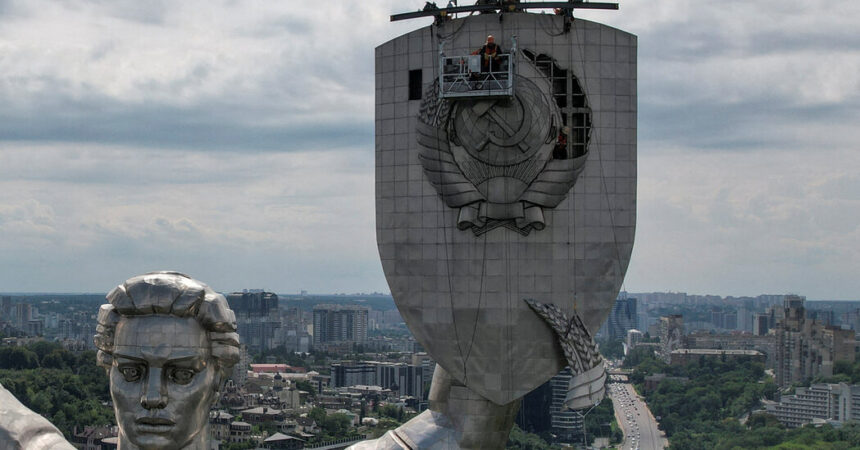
[[153, 395]]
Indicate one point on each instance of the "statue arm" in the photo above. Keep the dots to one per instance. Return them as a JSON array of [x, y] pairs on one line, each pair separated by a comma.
[[21, 428]]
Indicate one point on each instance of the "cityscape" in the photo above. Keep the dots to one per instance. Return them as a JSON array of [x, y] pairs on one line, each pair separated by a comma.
[[308, 361]]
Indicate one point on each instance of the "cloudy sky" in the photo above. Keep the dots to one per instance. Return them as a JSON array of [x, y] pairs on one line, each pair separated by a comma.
[[234, 141]]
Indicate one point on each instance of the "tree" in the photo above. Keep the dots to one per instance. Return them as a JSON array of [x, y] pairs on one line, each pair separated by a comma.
[[18, 358], [69, 389], [304, 385], [337, 425], [613, 349], [521, 440], [318, 414]]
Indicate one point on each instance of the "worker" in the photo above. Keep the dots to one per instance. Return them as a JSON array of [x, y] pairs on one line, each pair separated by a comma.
[[490, 55], [560, 150]]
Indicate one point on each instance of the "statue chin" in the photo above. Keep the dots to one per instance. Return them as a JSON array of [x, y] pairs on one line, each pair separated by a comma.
[[200, 442]]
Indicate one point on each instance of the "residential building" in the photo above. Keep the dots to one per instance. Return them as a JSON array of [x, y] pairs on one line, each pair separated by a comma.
[[734, 341], [351, 374], [240, 369], [671, 330], [336, 324], [819, 402], [761, 324], [806, 348], [401, 378], [257, 318], [240, 431]]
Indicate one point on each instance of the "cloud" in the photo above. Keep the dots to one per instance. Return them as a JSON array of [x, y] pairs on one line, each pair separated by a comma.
[[191, 75], [132, 209], [745, 223], [233, 141]]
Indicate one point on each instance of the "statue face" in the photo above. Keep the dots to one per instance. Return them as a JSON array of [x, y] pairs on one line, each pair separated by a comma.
[[162, 381]]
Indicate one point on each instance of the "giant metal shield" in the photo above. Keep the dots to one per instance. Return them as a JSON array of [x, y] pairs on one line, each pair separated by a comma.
[[481, 204]]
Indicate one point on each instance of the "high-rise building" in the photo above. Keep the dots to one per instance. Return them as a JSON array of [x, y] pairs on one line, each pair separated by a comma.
[[566, 423], [35, 327], [730, 320], [622, 317], [404, 379], [826, 317], [761, 324], [634, 337], [426, 362], [22, 313], [352, 374], [337, 324], [240, 370], [717, 318], [257, 318], [671, 335], [806, 348], [253, 302], [533, 415], [851, 320], [6, 308], [745, 316]]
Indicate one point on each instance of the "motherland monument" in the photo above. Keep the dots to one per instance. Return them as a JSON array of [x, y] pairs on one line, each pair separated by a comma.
[[505, 205]]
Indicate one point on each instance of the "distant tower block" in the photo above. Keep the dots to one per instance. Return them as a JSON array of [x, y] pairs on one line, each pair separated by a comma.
[[500, 177]]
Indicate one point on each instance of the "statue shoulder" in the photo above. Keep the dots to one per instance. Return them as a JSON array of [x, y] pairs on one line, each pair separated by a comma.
[[21, 428]]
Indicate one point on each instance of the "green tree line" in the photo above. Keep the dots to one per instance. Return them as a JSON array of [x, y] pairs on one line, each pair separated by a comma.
[[67, 388], [704, 413]]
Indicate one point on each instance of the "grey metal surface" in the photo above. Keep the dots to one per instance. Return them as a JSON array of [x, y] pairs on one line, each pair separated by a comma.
[[462, 292], [22, 429], [168, 343]]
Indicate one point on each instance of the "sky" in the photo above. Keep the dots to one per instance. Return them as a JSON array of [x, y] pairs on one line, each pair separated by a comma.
[[233, 141]]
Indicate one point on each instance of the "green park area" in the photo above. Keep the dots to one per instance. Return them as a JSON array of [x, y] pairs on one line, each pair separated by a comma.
[[716, 404]]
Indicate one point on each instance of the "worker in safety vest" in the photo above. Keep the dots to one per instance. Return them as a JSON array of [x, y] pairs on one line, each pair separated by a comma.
[[490, 55]]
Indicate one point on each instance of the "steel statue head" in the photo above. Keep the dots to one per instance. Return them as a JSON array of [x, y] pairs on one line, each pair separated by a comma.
[[167, 342]]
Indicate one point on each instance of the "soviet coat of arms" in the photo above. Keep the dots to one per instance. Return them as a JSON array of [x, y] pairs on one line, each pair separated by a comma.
[[492, 158]]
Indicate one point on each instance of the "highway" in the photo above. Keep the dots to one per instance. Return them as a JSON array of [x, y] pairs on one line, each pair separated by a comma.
[[635, 419]]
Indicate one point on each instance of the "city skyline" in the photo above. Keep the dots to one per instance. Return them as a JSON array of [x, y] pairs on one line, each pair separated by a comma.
[[235, 143]]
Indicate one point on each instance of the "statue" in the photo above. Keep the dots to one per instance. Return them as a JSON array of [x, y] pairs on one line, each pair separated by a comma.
[[167, 342], [505, 219]]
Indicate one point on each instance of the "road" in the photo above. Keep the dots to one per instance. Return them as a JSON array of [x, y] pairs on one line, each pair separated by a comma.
[[634, 417]]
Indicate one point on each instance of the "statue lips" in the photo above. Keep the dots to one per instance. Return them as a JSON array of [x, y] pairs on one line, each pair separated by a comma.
[[155, 425]]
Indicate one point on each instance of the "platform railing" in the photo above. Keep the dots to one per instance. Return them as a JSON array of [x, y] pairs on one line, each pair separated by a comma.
[[465, 76]]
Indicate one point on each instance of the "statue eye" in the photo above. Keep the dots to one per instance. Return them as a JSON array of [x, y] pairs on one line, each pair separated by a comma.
[[131, 373], [181, 376]]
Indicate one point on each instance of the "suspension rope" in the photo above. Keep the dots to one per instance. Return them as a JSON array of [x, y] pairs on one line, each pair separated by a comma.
[[435, 38]]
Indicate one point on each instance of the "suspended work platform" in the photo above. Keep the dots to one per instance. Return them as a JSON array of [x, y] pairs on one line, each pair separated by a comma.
[[472, 76], [463, 76]]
